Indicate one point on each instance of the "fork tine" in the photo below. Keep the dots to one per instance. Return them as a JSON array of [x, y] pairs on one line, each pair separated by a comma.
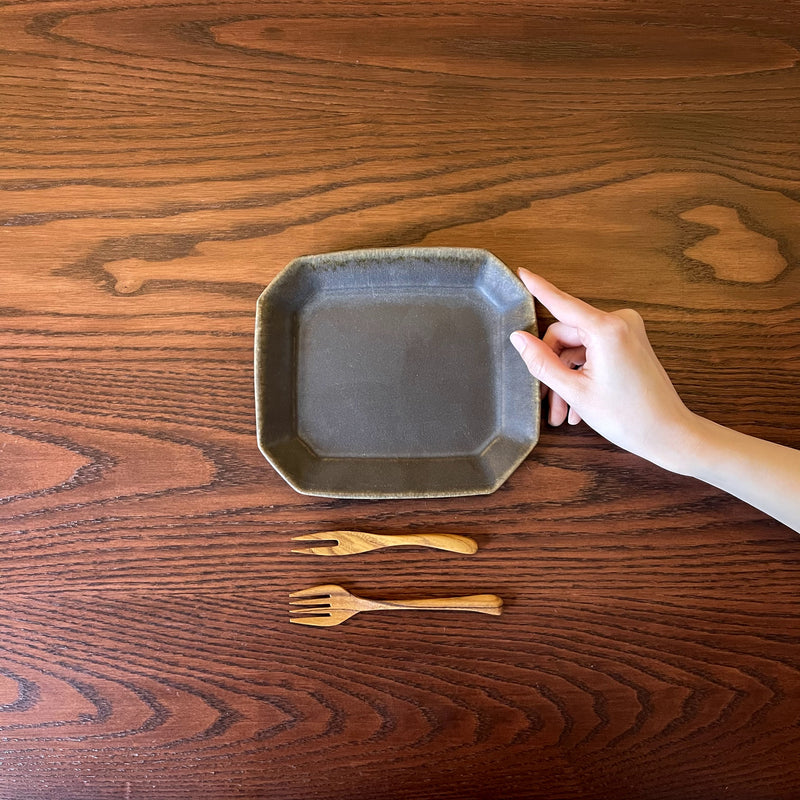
[[344, 543], [319, 621], [320, 551], [322, 602], [314, 591], [323, 536], [319, 605]]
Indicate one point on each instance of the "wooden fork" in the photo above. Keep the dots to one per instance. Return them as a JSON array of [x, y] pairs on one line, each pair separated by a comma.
[[350, 542], [331, 605]]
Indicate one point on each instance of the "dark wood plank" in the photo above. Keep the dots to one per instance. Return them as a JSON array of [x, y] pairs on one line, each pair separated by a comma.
[[161, 162]]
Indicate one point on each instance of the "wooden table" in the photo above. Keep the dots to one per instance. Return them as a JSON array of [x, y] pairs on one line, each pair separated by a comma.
[[161, 162]]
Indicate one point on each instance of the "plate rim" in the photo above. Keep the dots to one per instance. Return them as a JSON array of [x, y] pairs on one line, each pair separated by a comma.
[[481, 257]]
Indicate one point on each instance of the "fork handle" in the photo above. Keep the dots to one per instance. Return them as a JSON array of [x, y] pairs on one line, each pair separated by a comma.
[[439, 541], [482, 603]]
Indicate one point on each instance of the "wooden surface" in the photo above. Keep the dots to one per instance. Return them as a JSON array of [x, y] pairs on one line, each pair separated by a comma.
[[161, 162]]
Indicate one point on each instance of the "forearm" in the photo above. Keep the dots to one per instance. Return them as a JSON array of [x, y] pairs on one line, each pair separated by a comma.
[[764, 474]]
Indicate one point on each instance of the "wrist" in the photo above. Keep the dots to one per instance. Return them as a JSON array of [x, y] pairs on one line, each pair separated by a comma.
[[695, 448], [687, 441]]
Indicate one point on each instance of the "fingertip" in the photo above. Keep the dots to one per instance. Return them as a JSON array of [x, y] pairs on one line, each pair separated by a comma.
[[558, 410], [538, 286], [562, 305], [528, 278], [541, 361], [518, 341]]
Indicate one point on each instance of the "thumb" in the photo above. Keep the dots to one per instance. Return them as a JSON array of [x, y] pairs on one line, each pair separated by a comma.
[[544, 364]]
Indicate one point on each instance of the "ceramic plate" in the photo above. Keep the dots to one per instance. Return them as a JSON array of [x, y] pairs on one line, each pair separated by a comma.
[[388, 373]]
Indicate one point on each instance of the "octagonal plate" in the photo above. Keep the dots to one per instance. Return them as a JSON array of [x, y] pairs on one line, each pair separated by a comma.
[[388, 373]]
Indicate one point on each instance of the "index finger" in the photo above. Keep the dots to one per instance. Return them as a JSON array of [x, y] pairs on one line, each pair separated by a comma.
[[564, 307]]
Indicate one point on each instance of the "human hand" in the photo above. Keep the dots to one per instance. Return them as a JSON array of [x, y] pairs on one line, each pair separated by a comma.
[[600, 367]]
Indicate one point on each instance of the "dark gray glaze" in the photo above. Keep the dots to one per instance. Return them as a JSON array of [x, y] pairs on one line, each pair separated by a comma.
[[388, 373]]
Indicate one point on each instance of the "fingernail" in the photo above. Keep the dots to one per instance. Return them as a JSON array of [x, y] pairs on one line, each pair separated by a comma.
[[518, 340]]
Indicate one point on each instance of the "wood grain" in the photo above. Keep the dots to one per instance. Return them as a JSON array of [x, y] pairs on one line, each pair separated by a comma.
[[161, 162]]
